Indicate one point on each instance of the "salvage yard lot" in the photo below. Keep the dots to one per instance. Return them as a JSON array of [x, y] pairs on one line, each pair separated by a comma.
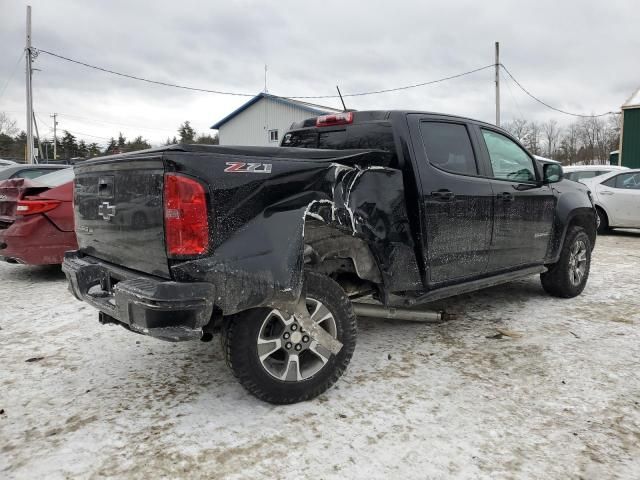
[[557, 397]]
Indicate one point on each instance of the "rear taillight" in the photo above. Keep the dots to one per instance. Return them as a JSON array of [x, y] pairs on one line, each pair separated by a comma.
[[186, 224], [31, 207], [344, 118]]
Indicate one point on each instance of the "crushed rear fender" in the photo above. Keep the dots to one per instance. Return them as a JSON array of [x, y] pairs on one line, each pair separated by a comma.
[[260, 223]]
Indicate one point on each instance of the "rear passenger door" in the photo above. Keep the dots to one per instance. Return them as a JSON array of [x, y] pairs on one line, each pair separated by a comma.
[[524, 207], [621, 197], [455, 201]]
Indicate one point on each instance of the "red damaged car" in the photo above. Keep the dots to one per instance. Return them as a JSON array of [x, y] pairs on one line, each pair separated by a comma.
[[36, 219]]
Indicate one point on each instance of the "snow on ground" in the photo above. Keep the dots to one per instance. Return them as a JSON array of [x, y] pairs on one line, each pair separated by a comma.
[[81, 400]]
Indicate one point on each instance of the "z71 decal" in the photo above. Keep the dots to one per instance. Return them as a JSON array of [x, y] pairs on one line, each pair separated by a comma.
[[242, 167]]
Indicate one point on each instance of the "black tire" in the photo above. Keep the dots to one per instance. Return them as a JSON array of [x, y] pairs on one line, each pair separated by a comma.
[[241, 347], [561, 279], [602, 221]]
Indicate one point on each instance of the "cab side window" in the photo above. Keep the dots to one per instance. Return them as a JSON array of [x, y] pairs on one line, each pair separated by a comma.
[[448, 147], [508, 160], [624, 180]]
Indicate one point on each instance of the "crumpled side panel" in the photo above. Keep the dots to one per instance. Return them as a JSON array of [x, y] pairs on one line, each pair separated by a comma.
[[258, 255]]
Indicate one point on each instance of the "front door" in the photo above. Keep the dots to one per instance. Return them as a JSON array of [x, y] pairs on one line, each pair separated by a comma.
[[456, 202], [524, 208]]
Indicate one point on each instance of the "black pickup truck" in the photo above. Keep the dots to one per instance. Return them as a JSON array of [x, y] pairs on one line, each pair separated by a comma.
[[270, 245]]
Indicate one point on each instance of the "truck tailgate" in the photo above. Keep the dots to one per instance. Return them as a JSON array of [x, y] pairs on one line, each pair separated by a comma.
[[119, 214]]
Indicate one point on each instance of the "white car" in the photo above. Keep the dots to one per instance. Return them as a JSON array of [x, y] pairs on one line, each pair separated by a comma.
[[6, 163], [577, 173], [617, 199]]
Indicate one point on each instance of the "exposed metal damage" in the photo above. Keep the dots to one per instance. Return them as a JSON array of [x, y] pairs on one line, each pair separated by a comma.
[[352, 212]]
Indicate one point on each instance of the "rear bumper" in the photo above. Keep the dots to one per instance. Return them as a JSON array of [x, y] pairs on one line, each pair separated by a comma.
[[145, 304]]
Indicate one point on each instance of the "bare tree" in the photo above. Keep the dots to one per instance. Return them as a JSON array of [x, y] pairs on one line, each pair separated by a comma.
[[7, 125], [569, 143], [519, 128], [532, 139], [551, 133], [614, 127], [593, 136]]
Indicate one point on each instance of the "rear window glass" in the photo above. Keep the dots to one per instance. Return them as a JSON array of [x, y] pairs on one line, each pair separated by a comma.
[[378, 136], [57, 178], [580, 175], [332, 140], [302, 139], [448, 147]]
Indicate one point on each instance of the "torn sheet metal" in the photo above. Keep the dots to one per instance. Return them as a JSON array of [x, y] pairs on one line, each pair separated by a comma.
[[258, 232]]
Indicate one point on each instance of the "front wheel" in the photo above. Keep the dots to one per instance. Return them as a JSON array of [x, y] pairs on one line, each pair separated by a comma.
[[568, 276], [276, 360]]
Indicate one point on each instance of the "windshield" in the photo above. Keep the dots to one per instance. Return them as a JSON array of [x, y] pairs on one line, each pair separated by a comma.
[[56, 178]]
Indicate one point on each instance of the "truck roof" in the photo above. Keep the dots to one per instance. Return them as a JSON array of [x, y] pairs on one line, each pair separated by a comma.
[[380, 115]]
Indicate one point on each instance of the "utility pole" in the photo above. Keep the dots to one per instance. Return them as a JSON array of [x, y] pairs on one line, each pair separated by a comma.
[[39, 152], [55, 136], [498, 84], [29, 91]]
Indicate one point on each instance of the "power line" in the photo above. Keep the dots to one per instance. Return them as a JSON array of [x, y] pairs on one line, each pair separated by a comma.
[[117, 124], [13, 72], [134, 77], [513, 97], [358, 94], [221, 92], [546, 104], [71, 131], [396, 89]]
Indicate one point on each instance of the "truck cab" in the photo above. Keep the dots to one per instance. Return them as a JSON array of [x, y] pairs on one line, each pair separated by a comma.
[[481, 205]]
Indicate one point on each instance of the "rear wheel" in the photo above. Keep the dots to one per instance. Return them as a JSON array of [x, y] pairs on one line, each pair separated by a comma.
[[568, 277], [276, 360]]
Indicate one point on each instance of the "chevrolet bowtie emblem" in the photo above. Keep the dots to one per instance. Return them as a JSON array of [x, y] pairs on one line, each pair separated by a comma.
[[106, 211]]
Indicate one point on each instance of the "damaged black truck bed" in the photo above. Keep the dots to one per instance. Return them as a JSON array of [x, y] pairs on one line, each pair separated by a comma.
[[270, 245]]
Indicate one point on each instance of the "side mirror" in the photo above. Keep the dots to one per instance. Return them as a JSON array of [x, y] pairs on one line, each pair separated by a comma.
[[552, 173]]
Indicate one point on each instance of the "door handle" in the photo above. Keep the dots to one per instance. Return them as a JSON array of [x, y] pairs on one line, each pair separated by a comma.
[[606, 192], [506, 196], [443, 195]]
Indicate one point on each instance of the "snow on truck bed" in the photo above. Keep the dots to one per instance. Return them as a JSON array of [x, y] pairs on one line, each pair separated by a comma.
[[556, 397]]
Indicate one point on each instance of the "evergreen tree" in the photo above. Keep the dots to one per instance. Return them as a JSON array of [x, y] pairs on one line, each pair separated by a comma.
[[122, 142], [186, 132], [208, 139], [82, 150], [138, 143], [112, 146], [6, 146], [69, 146], [93, 150]]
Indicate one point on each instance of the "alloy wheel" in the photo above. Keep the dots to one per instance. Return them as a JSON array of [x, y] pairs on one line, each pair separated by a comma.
[[577, 262], [286, 351]]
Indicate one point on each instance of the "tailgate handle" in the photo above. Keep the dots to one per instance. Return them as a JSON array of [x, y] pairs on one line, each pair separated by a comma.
[[105, 186]]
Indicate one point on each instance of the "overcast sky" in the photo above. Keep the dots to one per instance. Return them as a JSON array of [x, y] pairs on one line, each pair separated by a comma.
[[577, 55]]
